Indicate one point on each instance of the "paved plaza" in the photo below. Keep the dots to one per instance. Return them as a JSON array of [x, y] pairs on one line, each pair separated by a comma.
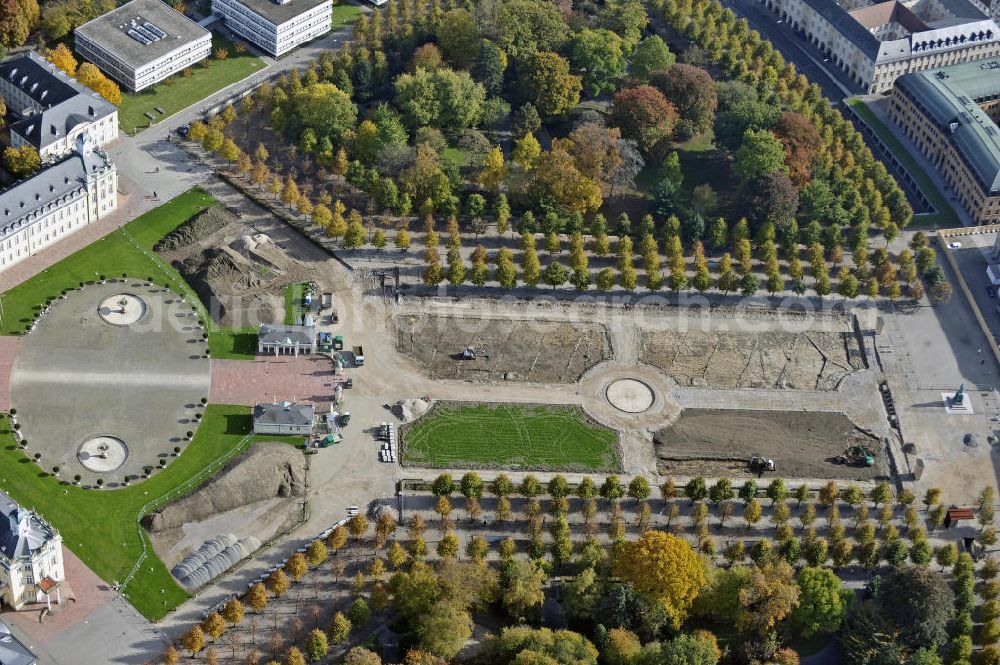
[[78, 377]]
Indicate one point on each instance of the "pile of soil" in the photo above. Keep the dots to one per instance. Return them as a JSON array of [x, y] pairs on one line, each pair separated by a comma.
[[202, 225], [267, 470], [409, 410]]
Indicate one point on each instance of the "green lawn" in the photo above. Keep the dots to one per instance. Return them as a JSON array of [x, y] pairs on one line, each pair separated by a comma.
[[101, 526], [345, 15], [294, 307], [179, 92], [509, 436], [945, 216], [127, 251]]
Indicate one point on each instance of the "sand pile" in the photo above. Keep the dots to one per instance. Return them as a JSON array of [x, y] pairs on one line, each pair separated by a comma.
[[200, 226], [409, 410]]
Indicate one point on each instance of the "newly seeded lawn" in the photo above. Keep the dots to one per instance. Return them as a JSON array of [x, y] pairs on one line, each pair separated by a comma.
[[509, 436]]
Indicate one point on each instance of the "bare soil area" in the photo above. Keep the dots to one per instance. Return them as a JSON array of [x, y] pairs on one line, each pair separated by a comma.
[[239, 273], [810, 360], [505, 350], [716, 442]]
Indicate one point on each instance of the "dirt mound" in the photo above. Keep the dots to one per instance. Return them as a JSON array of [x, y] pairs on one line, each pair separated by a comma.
[[202, 225], [267, 470], [409, 410]]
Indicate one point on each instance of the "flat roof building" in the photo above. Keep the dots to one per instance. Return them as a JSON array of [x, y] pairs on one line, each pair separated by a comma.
[[276, 27], [53, 108], [283, 418], [877, 42], [142, 42], [950, 114]]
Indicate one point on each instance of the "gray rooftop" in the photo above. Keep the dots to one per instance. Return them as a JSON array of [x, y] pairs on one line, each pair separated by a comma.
[[283, 413], [12, 650], [949, 97], [39, 79], [27, 200], [280, 13], [111, 31], [288, 335], [847, 25], [21, 531], [51, 125]]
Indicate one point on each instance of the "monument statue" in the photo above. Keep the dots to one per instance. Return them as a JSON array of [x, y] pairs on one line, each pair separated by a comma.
[[959, 397]]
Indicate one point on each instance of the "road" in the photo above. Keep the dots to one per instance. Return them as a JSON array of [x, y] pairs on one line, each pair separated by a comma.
[[836, 85]]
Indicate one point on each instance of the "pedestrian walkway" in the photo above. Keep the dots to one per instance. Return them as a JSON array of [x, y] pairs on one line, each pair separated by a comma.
[[9, 347], [273, 378]]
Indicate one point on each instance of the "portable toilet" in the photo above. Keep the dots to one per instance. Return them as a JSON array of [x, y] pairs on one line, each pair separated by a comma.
[[308, 298]]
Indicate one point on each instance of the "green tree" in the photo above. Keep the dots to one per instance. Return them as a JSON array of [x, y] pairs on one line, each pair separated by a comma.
[[325, 108], [822, 604], [600, 55], [317, 646], [458, 37], [651, 55], [760, 153], [548, 83]]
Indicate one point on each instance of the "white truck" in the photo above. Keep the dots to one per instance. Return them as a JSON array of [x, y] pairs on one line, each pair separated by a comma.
[[327, 300], [359, 356]]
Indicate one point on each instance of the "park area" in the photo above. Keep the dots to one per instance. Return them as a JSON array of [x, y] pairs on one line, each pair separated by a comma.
[[128, 251], [181, 91], [102, 526], [510, 436]]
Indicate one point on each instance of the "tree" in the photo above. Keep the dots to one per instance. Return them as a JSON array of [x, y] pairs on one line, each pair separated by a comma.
[[523, 27], [257, 597], [233, 611], [760, 153], [768, 598], [600, 56], [21, 162], [522, 588], [821, 606], [920, 603], [664, 568], [444, 629], [362, 656], [193, 641], [555, 274], [229, 151], [692, 91], [325, 108], [354, 236], [317, 646], [644, 115], [458, 38], [340, 628], [552, 647], [801, 141], [581, 595], [62, 57], [698, 648], [14, 24], [90, 76], [493, 172], [651, 55], [548, 84]]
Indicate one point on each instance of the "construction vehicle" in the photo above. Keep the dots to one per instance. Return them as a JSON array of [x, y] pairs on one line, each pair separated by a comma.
[[325, 342], [359, 356], [326, 300], [856, 456], [338, 343], [760, 464]]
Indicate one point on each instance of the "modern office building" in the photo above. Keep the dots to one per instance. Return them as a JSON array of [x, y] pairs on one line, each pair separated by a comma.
[[142, 42], [950, 114], [31, 560], [59, 200], [276, 27], [877, 42], [53, 109]]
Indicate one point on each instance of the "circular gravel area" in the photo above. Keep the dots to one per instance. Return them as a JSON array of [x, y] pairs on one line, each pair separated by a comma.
[[630, 395], [122, 309], [101, 454]]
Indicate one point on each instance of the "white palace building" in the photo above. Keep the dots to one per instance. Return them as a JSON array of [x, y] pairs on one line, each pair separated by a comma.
[[57, 201]]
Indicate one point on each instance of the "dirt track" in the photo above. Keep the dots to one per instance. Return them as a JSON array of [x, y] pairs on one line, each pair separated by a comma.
[[534, 352], [795, 360], [715, 442]]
